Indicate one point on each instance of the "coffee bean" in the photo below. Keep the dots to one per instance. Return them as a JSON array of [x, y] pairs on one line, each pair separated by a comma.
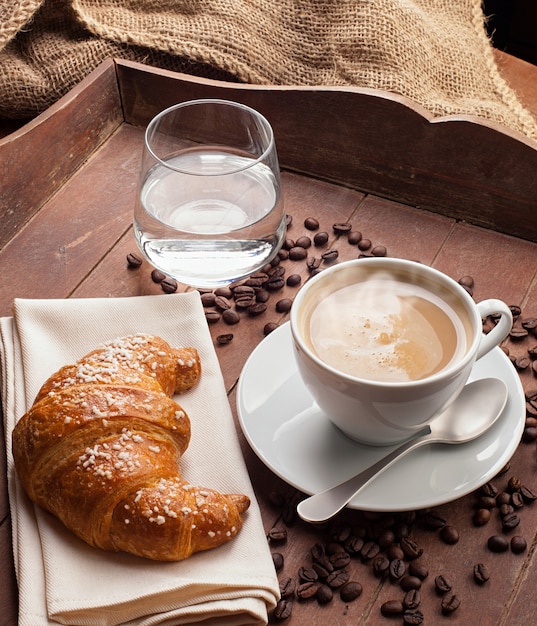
[[169, 285], [262, 296], [412, 599], [391, 608], [497, 543], [381, 565], [450, 535], [278, 560], [528, 494], [506, 509], [288, 244], [466, 281], [222, 303], [269, 327], [231, 317], [413, 618], [354, 544], [386, 538], [369, 550], [518, 544], [224, 339], [307, 575], [320, 239], [287, 587], [274, 283], [278, 271], [243, 290], [303, 242], [434, 521], [322, 571], [518, 333], [293, 280], [338, 578], [522, 363], [307, 590], [244, 301], [258, 308], [212, 316], [354, 237], [340, 533], [288, 220], [324, 594], [297, 253], [394, 551], [509, 522], [225, 292], [503, 498], [486, 502], [283, 610], [329, 256], [350, 591], [208, 299], [489, 490], [450, 603], [313, 263], [481, 573], [134, 261], [397, 569], [311, 223], [442, 584], [530, 323], [379, 251], [364, 244], [410, 548], [419, 570], [318, 551], [277, 534], [340, 559], [481, 517], [342, 228], [410, 582], [517, 500], [284, 305], [157, 276]]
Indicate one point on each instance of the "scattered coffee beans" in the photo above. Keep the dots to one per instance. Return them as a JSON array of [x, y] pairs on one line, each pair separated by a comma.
[[169, 285], [133, 260], [497, 543], [157, 276], [481, 573], [311, 223], [450, 603]]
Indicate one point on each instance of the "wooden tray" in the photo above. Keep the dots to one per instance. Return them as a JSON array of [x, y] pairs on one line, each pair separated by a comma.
[[459, 166]]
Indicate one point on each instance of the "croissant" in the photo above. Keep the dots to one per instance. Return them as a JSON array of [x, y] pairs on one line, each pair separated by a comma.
[[100, 450]]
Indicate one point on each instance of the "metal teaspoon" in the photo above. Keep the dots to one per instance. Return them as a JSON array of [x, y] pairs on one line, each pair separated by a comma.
[[474, 411]]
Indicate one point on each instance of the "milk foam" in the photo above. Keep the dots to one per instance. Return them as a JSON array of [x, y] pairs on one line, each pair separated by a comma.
[[386, 330]]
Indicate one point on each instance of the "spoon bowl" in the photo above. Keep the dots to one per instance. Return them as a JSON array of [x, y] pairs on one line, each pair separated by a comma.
[[474, 411]]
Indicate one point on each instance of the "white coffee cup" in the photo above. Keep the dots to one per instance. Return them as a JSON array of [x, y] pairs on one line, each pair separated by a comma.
[[383, 344]]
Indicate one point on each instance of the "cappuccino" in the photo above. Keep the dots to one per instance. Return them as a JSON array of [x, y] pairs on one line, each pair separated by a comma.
[[387, 330]]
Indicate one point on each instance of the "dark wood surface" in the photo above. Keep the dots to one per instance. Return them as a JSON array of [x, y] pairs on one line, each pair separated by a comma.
[[68, 234]]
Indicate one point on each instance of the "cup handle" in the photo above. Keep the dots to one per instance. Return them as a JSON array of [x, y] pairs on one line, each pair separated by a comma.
[[500, 330]]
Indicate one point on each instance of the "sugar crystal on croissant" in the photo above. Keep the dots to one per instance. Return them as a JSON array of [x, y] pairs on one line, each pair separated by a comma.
[[100, 449]]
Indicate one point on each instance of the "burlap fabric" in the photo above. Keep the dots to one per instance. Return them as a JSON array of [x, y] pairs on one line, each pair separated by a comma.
[[435, 52]]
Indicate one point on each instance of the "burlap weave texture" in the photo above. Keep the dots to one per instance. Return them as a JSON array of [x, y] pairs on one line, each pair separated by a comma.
[[434, 52]]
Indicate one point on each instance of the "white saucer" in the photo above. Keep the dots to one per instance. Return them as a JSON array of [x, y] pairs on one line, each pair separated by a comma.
[[295, 439]]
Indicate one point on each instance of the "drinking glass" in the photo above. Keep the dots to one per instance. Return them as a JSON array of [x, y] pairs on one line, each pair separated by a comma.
[[209, 208]]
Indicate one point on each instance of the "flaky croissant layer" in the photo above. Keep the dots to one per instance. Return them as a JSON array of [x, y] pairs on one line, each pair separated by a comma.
[[100, 449]]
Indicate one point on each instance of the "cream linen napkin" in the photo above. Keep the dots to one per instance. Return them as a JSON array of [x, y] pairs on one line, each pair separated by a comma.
[[61, 579]]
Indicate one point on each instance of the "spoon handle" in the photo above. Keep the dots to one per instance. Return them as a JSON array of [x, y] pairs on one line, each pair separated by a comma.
[[324, 505]]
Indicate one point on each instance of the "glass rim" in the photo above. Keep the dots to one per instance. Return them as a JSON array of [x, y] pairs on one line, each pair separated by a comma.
[[202, 101]]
